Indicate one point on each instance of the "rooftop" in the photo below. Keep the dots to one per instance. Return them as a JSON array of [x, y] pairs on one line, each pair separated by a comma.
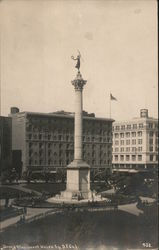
[[63, 114]]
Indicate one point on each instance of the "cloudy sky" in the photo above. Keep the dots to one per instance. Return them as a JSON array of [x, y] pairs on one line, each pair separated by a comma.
[[118, 43]]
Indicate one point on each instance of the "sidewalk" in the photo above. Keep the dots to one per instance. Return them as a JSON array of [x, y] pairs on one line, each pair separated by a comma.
[[148, 199], [31, 213], [109, 191], [21, 188], [130, 208]]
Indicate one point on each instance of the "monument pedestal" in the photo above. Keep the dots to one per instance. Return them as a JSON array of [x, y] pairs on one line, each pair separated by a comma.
[[78, 181]]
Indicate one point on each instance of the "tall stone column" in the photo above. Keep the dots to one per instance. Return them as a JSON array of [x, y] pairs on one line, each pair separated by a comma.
[[78, 171]]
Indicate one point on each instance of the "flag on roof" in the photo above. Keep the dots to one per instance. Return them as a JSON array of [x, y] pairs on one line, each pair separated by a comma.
[[112, 98]]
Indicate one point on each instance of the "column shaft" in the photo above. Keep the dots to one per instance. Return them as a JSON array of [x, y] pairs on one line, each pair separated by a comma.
[[78, 125]]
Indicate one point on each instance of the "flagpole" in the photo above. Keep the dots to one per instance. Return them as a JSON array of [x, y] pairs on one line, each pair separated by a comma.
[[112, 98]]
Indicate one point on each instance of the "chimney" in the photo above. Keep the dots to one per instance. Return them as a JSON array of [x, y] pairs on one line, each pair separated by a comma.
[[14, 110], [144, 113]]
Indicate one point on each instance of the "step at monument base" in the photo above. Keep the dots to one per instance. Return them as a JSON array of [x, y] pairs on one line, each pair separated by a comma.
[[75, 195]]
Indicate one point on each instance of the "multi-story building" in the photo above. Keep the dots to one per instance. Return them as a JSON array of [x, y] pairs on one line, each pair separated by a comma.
[[135, 144], [46, 141], [5, 144]]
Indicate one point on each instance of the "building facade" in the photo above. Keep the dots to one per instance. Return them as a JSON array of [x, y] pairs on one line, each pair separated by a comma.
[[135, 144], [46, 141], [5, 144]]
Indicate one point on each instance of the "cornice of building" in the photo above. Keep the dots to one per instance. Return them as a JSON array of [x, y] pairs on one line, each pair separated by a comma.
[[69, 116], [136, 119]]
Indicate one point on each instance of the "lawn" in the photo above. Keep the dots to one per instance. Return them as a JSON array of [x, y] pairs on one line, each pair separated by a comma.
[[51, 188], [55, 188], [11, 193], [86, 229]]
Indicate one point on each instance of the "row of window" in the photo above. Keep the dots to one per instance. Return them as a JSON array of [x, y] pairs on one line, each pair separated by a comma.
[[64, 163], [51, 130], [130, 166], [68, 146], [128, 142], [101, 153], [92, 138], [153, 149], [68, 138], [129, 126], [152, 133], [97, 139], [44, 120], [128, 149], [128, 134], [50, 162], [49, 137], [30, 121], [133, 158], [65, 126], [128, 157], [151, 141], [135, 126], [133, 166], [67, 153]]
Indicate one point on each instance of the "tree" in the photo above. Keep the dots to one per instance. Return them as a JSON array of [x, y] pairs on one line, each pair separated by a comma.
[[6, 171]]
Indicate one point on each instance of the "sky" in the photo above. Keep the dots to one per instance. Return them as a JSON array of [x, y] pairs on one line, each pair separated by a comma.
[[118, 43]]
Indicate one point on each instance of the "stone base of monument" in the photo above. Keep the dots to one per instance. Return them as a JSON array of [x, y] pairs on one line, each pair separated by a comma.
[[67, 197], [76, 195], [78, 181], [70, 197], [78, 184]]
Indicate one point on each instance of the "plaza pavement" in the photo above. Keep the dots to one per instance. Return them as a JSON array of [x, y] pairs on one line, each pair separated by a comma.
[[131, 208], [148, 199]]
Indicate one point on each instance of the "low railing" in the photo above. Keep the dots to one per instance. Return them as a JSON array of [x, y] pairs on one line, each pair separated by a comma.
[[10, 213]]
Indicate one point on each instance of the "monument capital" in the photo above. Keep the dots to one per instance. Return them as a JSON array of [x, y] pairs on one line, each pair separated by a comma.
[[78, 82]]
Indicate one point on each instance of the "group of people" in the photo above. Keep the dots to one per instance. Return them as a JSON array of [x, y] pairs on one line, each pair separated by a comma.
[[22, 217]]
